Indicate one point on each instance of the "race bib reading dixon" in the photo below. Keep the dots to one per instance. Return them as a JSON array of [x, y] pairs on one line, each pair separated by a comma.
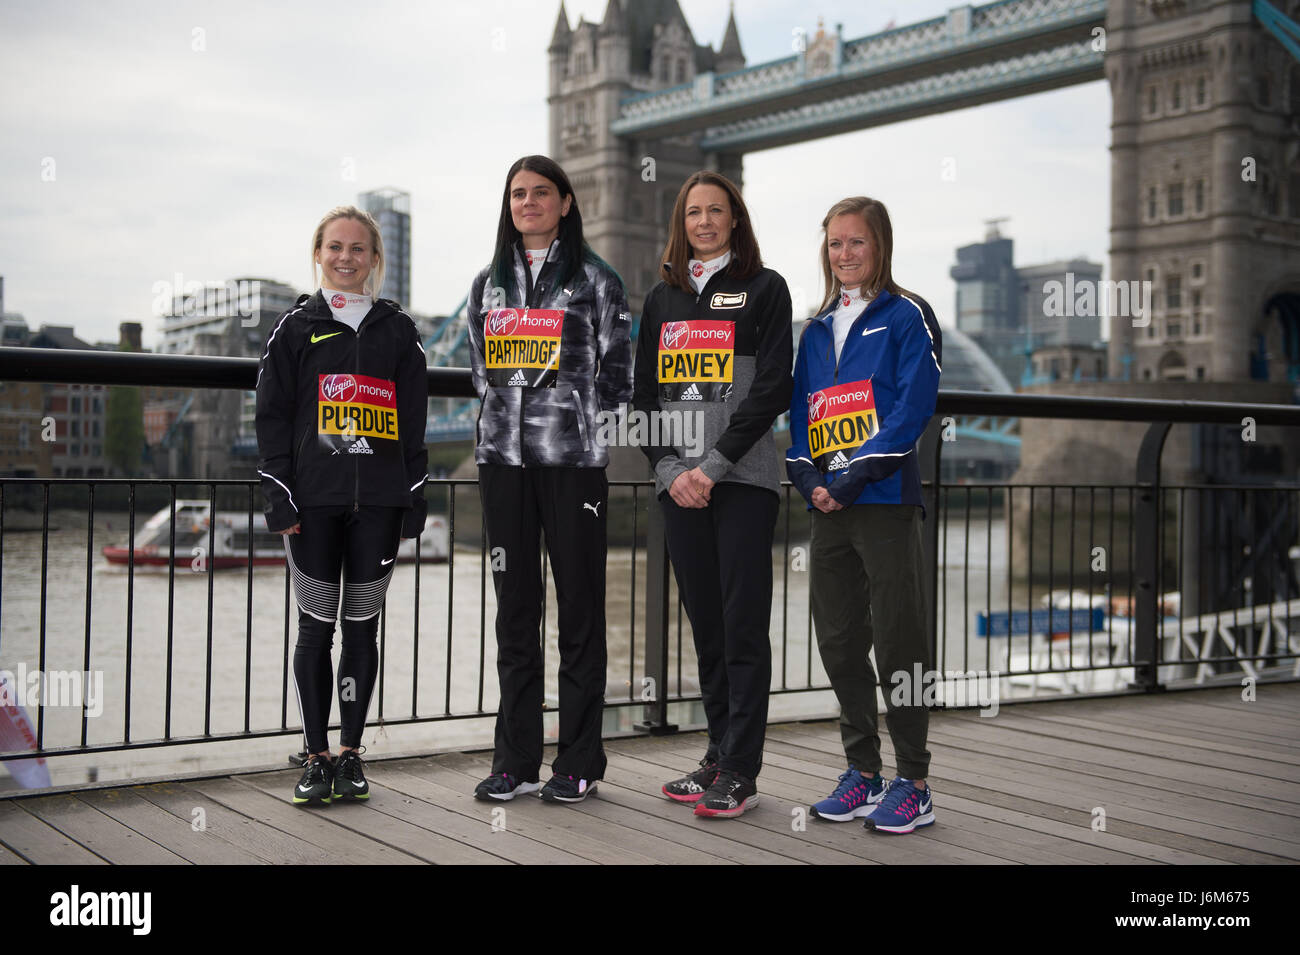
[[523, 347], [696, 360], [840, 420]]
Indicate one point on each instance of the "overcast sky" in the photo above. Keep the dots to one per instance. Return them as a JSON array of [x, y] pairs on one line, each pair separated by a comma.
[[139, 140]]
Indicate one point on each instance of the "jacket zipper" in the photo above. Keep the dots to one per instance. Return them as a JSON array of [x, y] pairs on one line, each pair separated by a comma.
[[356, 491]]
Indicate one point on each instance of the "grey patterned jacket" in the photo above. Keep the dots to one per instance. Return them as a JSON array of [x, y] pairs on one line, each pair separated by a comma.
[[550, 419]]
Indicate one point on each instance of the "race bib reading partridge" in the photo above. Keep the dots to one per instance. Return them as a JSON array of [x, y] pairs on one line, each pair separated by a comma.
[[696, 360], [354, 410], [840, 420], [523, 347]]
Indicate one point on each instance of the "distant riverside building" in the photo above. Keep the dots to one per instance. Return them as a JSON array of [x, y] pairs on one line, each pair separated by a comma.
[[78, 413], [1013, 312], [392, 210], [242, 304]]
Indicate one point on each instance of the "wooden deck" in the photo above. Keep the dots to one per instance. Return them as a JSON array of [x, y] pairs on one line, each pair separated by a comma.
[[1193, 777]]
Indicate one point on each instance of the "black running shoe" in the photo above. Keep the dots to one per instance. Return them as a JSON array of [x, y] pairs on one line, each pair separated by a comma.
[[730, 795], [692, 786], [349, 780], [317, 783], [567, 789], [503, 786]]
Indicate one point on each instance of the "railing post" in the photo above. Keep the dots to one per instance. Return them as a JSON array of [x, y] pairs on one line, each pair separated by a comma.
[[1146, 570], [656, 625], [929, 450]]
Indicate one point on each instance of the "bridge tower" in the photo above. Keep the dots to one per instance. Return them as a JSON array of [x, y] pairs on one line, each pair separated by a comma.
[[626, 185], [1205, 190]]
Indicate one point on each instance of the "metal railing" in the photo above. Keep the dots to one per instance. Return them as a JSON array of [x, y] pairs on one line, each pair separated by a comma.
[[995, 549]]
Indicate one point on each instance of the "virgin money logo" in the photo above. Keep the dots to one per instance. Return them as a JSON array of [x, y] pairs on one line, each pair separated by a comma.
[[339, 387], [698, 269], [676, 335], [845, 300], [338, 301], [817, 406], [503, 321]]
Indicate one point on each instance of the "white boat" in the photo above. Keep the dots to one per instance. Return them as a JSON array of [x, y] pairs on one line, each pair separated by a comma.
[[230, 544]]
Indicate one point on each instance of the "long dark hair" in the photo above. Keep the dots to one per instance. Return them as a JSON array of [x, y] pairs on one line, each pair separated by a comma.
[[745, 257], [573, 251]]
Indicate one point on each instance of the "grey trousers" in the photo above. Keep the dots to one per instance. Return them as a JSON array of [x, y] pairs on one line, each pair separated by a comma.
[[867, 562]]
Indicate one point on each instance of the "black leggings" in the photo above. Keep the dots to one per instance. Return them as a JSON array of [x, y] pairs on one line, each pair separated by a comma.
[[362, 544]]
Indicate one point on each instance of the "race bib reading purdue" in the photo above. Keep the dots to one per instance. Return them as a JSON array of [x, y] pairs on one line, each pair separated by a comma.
[[696, 360], [840, 420], [523, 347], [353, 410]]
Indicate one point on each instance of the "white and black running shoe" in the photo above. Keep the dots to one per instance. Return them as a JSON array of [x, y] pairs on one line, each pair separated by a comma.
[[503, 787], [316, 787], [567, 789], [349, 780], [692, 786], [730, 795]]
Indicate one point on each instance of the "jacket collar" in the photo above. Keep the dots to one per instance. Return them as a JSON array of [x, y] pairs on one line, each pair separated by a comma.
[[315, 307], [824, 319]]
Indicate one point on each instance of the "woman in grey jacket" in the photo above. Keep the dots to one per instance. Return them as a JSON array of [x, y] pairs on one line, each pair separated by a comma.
[[549, 340]]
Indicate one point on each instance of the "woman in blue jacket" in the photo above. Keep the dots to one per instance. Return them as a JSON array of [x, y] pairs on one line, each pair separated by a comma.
[[865, 384]]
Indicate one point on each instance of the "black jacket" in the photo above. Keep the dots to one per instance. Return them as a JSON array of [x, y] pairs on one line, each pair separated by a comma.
[[328, 403]]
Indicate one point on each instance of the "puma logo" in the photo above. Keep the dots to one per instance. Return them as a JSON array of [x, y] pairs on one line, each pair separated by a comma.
[[594, 508]]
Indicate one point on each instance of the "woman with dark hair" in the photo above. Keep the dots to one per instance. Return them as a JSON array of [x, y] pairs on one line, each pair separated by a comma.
[[865, 386], [342, 393], [549, 342], [715, 342]]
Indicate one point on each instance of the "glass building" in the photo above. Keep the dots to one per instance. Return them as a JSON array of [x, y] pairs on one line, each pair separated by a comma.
[[392, 210]]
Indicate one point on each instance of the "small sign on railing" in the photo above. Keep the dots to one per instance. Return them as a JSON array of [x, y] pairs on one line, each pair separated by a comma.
[[1057, 620]]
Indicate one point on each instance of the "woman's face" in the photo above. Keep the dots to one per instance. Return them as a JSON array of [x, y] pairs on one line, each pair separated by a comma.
[[536, 208], [345, 256], [850, 250], [708, 221]]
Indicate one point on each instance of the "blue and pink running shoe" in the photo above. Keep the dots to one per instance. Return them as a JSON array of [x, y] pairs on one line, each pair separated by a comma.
[[903, 809], [854, 797]]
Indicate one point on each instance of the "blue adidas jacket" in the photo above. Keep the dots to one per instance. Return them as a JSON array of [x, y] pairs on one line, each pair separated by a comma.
[[895, 344]]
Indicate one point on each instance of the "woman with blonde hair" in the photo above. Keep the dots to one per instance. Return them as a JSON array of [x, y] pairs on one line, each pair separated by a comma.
[[865, 385], [342, 393]]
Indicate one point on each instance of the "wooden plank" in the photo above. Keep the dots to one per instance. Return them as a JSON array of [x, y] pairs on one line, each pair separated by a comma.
[[1234, 717], [471, 828], [179, 836], [104, 836], [930, 846], [38, 843], [618, 820], [246, 832], [380, 819], [1181, 733], [9, 857], [316, 826]]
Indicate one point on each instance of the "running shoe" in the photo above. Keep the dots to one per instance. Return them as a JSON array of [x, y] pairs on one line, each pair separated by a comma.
[[503, 786], [317, 783], [692, 786], [730, 795], [903, 809], [349, 780], [855, 796], [567, 789]]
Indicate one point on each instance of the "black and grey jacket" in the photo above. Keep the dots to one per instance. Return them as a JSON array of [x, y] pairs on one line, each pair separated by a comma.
[[556, 425], [328, 403], [736, 422]]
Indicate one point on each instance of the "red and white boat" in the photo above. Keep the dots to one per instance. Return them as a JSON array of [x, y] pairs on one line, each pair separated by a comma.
[[230, 544]]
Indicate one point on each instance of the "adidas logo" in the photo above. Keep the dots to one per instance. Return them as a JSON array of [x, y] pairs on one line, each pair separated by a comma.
[[839, 461], [518, 378], [692, 394], [360, 446]]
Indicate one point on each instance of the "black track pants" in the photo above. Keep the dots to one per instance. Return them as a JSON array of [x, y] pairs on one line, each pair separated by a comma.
[[362, 544], [722, 559], [567, 505]]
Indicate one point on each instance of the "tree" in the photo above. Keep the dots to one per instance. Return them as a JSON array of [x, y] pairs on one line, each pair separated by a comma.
[[124, 428]]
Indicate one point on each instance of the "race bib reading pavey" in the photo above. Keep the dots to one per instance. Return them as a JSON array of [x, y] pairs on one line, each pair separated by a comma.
[[840, 420], [353, 410], [523, 347], [696, 360]]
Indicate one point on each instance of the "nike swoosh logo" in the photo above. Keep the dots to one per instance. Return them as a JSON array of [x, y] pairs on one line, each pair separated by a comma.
[[385, 563], [321, 338], [865, 331], [303, 790]]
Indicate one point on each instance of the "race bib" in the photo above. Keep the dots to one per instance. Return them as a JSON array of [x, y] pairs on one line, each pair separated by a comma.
[[840, 420], [696, 360], [523, 347], [354, 410]]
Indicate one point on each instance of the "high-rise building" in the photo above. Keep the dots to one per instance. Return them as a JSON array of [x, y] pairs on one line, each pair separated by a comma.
[[392, 210], [988, 307], [242, 303]]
